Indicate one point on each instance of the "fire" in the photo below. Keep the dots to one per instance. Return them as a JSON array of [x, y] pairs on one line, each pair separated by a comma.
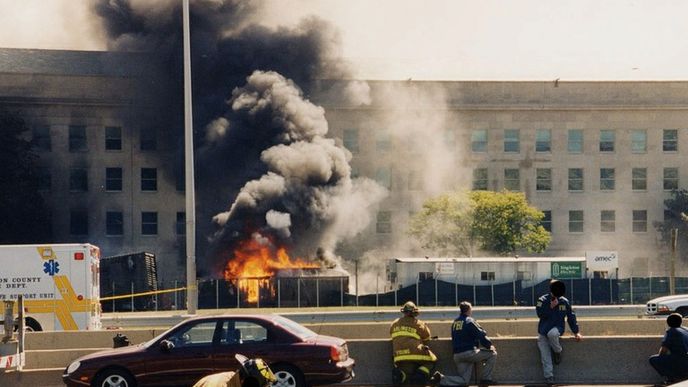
[[254, 262]]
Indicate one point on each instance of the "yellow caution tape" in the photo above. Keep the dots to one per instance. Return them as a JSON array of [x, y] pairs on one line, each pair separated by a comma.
[[150, 293]]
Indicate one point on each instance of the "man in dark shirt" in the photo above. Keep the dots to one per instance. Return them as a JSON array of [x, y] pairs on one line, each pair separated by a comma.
[[672, 360], [552, 308], [467, 337]]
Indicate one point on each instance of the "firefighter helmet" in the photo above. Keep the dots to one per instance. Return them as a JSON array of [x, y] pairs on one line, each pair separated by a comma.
[[256, 369], [410, 308]]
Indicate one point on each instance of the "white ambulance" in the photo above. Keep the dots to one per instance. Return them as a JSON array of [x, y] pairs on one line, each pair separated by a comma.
[[60, 284]]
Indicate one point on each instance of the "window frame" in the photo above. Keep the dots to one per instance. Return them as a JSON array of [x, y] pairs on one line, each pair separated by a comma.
[[639, 183], [510, 180], [543, 145], [572, 143], [577, 221], [572, 180], [639, 222], [639, 145], [149, 183], [607, 179], [607, 221], [478, 144], [149, 227], [543, 183], [512, 141], [674, 180], [116, 223], [113, 141], [607, 145], [479, 179]]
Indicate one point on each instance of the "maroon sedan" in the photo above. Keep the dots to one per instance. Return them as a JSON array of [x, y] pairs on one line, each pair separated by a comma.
[[204, 345]]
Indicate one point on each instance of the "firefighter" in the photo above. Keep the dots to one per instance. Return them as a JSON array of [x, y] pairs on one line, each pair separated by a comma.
[[253, 373], [413, 359]]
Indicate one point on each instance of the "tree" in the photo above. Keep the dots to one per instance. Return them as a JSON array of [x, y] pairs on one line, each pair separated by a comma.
[[675, 217], [444, 224], [23, 214], [498, 222]]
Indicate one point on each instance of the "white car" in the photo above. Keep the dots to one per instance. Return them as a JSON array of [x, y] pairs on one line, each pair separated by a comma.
[[668, 304]]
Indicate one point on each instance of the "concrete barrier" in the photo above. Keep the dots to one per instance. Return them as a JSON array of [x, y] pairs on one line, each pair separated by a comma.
[[596, 360]]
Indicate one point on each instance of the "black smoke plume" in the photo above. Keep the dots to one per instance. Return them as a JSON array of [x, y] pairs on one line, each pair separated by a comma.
[[264, 164]]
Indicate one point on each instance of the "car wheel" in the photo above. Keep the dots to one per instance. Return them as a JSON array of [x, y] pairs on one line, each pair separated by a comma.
[[114, 378], [287, 376], [683, 311]]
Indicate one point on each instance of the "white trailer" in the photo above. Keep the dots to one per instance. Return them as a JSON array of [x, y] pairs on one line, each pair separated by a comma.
[[59, 282]]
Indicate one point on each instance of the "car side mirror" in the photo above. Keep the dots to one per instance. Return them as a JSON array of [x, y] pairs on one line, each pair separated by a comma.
[[166, 345]]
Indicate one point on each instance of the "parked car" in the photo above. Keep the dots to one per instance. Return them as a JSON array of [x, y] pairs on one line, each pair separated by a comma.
[[205, 345], [668, 304]]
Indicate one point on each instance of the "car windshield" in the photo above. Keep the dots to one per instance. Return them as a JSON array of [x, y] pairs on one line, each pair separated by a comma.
[[294, 327]]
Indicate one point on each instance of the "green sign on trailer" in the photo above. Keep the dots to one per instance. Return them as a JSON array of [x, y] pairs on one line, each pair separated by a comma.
[[567, 270]]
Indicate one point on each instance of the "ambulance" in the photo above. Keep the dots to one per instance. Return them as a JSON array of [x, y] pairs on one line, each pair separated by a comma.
[[59, 282]]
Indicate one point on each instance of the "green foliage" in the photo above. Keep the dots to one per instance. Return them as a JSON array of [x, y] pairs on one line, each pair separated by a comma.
[[444, 224], [23, 214], [499, 222]]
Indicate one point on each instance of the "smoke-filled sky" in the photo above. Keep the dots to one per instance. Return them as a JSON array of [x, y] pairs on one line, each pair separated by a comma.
[[438, 39]]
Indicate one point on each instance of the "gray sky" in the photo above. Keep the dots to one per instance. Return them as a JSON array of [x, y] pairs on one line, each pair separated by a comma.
[[441, 39]]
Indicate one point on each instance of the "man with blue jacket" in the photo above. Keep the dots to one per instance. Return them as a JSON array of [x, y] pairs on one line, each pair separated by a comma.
[[467, 338], [672, 360], [552, 309]]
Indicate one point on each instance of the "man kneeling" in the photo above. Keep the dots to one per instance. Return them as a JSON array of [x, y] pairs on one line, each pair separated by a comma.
[[467, 337]]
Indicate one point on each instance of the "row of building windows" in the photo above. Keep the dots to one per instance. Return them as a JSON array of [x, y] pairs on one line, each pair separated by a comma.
[[575, 140], [576, 179], [114, 177], [576, 221], [78, 139], [607, 141], [114, 223]]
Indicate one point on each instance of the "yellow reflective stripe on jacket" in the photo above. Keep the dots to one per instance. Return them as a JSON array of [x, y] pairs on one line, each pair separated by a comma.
[[402, 333], [430, 357]]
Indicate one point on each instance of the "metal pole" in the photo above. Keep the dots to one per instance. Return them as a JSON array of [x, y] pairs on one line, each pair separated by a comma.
[[571, 290], [492, 291], [217, 293], [377, 291], [191, 288], [456, 290], [631, 286], [298, 292], [279, 294], [650, 287], [176, 304], [436, 292], [113, 293], [611, 293], [132, 296], [672, 267], [341, 291], [417, 289], [258, 291], [317, 292], [356, 282], [589, 291], [238, 290]]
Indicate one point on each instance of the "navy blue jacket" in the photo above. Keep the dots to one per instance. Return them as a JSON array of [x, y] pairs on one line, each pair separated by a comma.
[[676, 340], [550, 318], [467, 334]]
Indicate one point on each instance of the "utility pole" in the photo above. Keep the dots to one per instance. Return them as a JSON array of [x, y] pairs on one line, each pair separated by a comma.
[[191, 286], [672, 265]]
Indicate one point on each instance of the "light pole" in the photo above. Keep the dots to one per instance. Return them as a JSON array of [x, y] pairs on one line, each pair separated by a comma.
[[191, 287]]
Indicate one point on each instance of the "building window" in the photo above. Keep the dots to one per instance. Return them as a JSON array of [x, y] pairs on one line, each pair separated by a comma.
[[511, 141], [383, 141], [487, 275], [575, 141], [77, 138], [670, 179], [639, 141], [181, 223], [639, 220], [113, 179], [41, 138], [512, 179], [543, 179], [608, 221], [576, 221], [78, 179], [45, 182], [351, 140], [78, 222], [113, 138], [114, 223], [543, 140], [415, 181], [479, 140], [425, 275], [480, 179], [384, 177], [607, 181], [149, 223], [639, 182], [670, 140], [606, 141], [576, 179], [547, 220], [149, 140], [149, 179], [384, 222]]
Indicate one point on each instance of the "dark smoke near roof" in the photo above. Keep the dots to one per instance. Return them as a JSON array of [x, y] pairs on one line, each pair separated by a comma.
[[264, 168]]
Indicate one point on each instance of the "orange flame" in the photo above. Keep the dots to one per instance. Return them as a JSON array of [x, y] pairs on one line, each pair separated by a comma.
[[254, 263]]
